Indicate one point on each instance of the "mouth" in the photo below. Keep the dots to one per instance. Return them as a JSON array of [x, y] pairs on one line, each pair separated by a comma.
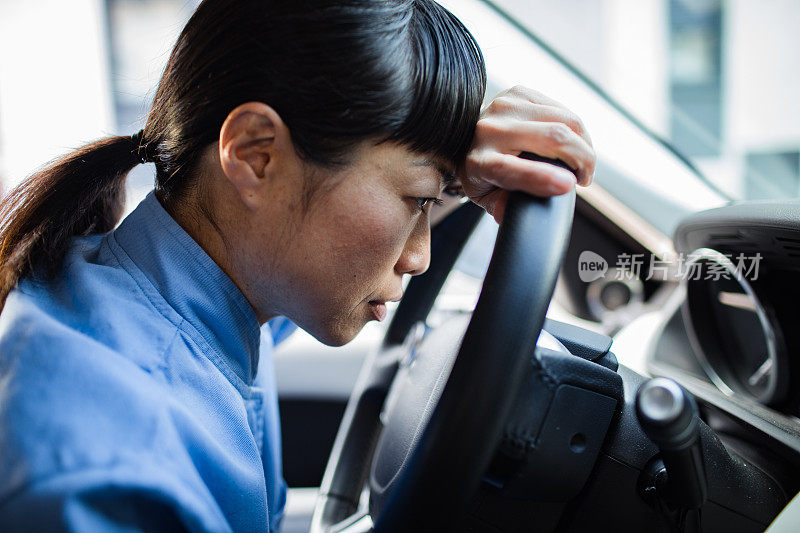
[[378, 307]]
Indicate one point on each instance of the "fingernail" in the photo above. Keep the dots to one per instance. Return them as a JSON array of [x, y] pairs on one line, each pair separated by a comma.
[[562, 182]]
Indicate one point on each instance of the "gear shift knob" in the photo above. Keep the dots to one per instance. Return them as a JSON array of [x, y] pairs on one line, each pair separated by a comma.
[[668, 415]]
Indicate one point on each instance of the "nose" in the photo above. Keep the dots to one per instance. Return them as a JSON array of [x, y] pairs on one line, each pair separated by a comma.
[[416, 256]]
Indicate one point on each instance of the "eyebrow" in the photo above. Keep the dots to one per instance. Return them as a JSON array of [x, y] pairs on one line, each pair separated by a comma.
[[447, 177]]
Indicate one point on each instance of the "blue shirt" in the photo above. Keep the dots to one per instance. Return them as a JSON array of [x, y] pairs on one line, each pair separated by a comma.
[[137, 392]]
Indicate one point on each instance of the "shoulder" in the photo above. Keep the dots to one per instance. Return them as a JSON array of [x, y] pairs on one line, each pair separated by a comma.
[[92, 304], [120, 497], [92, 440], [69, 401]]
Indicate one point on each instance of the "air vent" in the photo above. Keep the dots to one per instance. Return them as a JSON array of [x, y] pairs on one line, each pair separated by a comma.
[[723, 237], [735, 240], [790, 246]]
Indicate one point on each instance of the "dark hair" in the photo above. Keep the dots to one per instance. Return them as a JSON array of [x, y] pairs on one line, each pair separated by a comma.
[[337, 71]]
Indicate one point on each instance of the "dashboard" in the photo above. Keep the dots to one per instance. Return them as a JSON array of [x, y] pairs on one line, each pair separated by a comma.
[[725, 322], [742, 309], [730, 331]]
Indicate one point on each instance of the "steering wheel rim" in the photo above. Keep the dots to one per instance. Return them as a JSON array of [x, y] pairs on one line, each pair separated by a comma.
[[466, 428]]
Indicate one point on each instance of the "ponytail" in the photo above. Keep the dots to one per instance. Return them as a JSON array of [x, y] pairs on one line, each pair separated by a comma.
[[82, 193]]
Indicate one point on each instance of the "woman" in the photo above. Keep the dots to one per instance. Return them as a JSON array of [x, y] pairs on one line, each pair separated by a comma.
[[299, 149]]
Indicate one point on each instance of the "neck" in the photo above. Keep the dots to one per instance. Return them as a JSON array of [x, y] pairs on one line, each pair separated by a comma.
[[197, 219]]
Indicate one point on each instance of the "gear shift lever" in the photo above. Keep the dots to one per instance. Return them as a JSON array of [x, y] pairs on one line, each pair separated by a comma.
[[668, 416]]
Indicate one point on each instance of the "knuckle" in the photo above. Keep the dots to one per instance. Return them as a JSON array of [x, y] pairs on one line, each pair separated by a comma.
[[501, 105], [588, 166], [559, 133], [506, 102], [492, 166], [528, 94], [592, 163], [520, 90], [592, 156], [581, 127], [574, 122], [487, 128], [471, 162]]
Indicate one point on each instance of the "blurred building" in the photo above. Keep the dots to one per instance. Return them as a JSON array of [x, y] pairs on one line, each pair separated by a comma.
[[717, 78], [75, 71]]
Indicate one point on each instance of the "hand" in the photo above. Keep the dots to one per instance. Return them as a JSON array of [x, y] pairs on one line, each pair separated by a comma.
[[523, 120]]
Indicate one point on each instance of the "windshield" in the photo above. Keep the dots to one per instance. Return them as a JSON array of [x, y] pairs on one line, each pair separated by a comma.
[[716, 79], [124, 45]]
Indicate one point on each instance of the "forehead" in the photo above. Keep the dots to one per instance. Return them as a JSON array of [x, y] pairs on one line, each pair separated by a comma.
[[397, 159], [445, 172]]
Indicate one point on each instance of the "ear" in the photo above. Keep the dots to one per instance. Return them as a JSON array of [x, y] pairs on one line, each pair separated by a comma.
[[254, 143]]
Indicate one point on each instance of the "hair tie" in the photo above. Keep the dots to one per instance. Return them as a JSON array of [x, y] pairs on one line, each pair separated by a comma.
[[140, 147]]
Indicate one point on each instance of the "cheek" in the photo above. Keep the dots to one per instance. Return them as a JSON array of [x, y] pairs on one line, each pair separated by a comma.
[[345, 252], [370, 241]]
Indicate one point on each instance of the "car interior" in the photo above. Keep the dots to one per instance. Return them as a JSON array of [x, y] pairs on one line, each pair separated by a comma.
[[508, 391], [620, 358]]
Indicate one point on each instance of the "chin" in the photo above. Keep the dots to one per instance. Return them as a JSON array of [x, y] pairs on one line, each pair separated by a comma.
[[336, 334]]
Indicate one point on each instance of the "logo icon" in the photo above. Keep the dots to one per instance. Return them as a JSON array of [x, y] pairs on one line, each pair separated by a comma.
[[591, 266]]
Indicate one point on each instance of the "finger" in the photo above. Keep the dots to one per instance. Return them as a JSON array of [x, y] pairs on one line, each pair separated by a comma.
[[499, 208], [493, 202], [548, 113], [556, 141], [549, 139], [516, 174], [527, 110], [534, 96]]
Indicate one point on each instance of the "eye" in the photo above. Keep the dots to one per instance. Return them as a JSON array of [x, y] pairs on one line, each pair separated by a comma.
[[422, 202]]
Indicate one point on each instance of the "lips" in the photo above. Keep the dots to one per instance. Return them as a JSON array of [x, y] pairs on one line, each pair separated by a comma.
[[378, 310], [378, 307], [385, 300], [396, 298]]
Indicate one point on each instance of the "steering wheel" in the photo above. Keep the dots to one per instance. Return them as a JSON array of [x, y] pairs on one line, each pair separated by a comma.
[[425, 445]]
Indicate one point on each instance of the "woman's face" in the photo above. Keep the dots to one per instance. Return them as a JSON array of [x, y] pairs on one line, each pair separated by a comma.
[[332, 265]]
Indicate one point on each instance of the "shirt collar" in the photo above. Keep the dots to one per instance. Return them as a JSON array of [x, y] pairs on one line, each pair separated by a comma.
[[192, 284]]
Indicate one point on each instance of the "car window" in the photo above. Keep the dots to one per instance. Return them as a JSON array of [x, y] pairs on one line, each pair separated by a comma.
[[461, 289], [634, 164], [140, 38], [717, 79]]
